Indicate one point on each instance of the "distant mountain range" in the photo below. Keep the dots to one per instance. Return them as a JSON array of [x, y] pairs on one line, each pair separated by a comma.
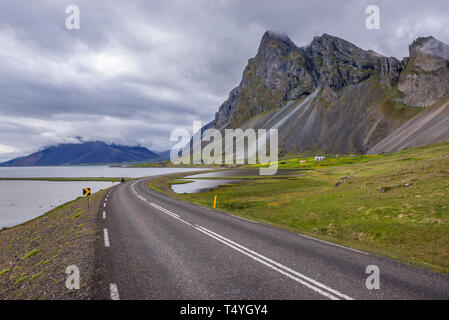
[[87, 153]]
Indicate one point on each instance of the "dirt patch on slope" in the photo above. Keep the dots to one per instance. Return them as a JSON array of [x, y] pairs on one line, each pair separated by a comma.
[[430, 126]]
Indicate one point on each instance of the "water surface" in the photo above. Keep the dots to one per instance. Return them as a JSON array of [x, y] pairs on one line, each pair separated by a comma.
[[204, 184], [85, 171], [199, 185], [21, 201], [242, 173]]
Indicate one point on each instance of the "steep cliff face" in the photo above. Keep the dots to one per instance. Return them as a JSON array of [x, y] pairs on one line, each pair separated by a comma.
[[426, 76], [359, 96], [339, 63], [281, 71], [283, 67]]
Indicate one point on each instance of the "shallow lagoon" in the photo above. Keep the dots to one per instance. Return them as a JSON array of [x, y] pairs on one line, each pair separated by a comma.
[[21, 201]]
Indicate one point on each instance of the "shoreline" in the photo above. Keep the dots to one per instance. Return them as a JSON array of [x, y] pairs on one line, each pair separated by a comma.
[[63, 179], [34, 255], [53, 205]]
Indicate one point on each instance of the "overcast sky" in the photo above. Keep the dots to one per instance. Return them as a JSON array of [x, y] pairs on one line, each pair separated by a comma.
[[135, 70]]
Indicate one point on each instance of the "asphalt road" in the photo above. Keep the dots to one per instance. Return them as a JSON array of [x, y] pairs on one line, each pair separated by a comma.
[[155, 247]]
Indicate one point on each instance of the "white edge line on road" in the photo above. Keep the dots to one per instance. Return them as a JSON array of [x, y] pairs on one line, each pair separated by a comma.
[[333, 244], [306, 284], [104, 214], [244, 219], [256, 256], [114, 291], [106, 238]]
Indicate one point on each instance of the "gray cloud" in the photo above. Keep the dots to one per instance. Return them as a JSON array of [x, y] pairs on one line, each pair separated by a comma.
[[138, 69]]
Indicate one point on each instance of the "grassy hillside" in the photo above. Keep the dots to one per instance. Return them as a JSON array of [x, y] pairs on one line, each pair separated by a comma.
[[395, 204]]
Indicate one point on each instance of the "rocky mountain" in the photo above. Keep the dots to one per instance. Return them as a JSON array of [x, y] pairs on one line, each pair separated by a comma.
[[426, 76], [359, 96], [85, 153]]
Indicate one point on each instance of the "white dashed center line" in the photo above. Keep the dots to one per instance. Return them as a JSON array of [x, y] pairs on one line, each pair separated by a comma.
[[104, 214], [106, 238], [114, 291]]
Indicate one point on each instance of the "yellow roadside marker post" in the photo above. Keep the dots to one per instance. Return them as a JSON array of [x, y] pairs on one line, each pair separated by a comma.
[[86, 193], [215, 201]]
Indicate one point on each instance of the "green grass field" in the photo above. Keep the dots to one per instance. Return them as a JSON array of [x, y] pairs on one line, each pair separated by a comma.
[[395, 204]]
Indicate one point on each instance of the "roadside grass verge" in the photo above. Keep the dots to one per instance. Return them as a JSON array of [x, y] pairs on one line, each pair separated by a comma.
[[35, 254], [395, 205]]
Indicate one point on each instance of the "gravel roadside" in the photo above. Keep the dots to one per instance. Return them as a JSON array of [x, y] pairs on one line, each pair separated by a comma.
[[34, 255]]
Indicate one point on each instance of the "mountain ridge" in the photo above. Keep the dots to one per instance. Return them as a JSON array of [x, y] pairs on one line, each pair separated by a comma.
[[363, 96], [85, 153]]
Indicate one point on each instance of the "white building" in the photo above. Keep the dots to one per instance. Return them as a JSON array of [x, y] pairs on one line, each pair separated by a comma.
[[320, 158]]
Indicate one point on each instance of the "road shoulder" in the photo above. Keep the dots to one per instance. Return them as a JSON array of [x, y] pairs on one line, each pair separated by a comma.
[[34, 256]]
